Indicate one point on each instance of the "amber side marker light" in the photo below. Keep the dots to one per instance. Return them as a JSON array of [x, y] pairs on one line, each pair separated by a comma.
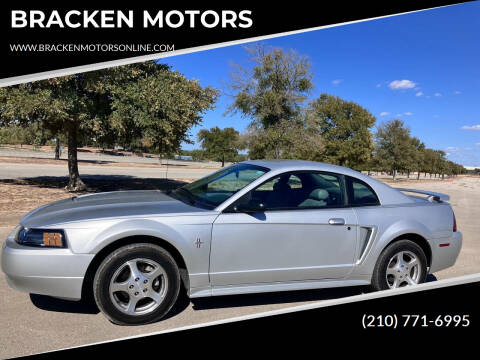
[[52, 239]]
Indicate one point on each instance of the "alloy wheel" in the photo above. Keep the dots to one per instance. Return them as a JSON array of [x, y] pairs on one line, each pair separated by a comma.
[[138, 286]]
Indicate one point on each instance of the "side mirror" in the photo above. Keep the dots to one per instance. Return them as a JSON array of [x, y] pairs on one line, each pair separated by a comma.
[[249, 208]]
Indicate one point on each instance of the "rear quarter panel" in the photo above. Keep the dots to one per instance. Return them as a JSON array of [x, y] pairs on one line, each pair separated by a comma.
[[432, 221]]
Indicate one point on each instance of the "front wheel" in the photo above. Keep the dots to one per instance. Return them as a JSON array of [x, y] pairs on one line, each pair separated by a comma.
[[401, 264], [136, 284]]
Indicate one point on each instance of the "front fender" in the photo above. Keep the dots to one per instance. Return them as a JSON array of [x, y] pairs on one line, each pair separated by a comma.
[[182, 234], [135, 227]]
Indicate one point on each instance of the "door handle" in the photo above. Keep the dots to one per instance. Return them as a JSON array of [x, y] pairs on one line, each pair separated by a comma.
[[336, 221]]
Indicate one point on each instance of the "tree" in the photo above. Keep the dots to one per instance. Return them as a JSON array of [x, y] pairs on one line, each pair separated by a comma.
[[129, 100], [57, 102], [415, 162], [271, 93], [286, 140], [220, 144], [16, 134], [345, 129], [441, 163], [159, 107], [394, 146], [430, 159]]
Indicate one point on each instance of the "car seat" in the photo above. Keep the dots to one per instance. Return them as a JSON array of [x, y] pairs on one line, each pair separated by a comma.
[[316, 198]]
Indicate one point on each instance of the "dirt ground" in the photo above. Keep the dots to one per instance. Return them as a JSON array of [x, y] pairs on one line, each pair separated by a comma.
[[19, 196]]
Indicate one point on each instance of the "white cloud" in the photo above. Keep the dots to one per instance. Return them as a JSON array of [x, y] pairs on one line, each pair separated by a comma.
[[438, 94], [379, 85], [408, 113], [337, 81], [419, 93], [384, 113], [473, 127], [402, 84], [478, 144], [456, 92]]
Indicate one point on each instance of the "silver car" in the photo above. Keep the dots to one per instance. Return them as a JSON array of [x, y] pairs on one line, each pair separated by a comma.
[[256, 226]]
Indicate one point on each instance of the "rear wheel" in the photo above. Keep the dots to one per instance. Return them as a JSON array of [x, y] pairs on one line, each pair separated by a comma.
[[401, 264], [136, 284]]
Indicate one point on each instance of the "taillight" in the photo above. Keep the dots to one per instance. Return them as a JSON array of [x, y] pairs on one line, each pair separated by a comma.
[[454, 223]]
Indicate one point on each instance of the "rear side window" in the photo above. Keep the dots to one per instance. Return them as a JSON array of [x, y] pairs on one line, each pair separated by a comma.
[[359, 193]]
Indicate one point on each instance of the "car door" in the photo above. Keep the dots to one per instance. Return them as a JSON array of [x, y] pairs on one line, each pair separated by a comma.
[[305, 232]]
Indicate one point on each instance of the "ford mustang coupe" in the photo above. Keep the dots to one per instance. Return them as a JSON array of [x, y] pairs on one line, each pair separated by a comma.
[[252, 227]]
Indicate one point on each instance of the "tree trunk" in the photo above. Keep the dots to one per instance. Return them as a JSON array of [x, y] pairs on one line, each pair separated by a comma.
[[408, 174], [223, 160], [74, 181], [418, 175], [57, 149], [394, 172]]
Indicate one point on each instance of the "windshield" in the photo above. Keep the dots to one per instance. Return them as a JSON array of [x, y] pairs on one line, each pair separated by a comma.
[[214, 189]]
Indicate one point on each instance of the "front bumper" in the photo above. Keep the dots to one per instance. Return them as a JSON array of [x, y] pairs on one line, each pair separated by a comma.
[[445, 256], [54, 272]]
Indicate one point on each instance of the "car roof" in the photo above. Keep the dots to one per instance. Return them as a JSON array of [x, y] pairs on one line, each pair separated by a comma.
[[287, 165]]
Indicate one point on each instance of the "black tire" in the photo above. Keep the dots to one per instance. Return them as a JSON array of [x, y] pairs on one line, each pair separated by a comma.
[[379, 281], [114, 261]]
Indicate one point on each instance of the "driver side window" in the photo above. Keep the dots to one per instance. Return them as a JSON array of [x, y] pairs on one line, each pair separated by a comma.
[[297, 190]]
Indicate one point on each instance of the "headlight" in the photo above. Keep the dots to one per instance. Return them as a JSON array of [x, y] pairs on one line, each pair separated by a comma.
[[42, 238]]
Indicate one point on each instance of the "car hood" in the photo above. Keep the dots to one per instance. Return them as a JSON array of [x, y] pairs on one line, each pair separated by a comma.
[[107, 205]]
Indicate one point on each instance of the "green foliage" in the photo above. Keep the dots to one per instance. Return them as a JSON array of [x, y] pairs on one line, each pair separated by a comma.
[[220, 144], [274, 88], [284, 140], [271, 92], [397, 151], [345, 129], [149, 107], [196, 154], [157, 105], [394, 145], [144, 102]]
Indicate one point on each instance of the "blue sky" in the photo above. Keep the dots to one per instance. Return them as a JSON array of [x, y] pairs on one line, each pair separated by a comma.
[[423, 68]]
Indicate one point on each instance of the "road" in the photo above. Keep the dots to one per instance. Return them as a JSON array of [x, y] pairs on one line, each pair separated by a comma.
[[32, 323], [93, 156], [18, 171]]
